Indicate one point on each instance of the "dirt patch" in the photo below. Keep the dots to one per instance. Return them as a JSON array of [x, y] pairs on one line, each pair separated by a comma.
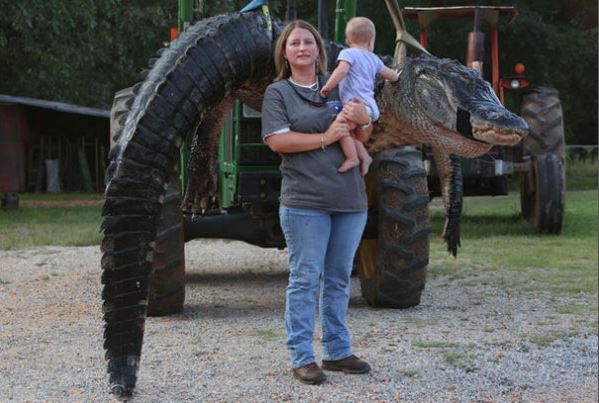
[[463, 342]]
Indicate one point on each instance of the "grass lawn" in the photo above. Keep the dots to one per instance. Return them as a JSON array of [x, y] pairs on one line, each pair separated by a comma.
[[60, 196], [497, 242], [39, 225], [581, 175], [498, 246]]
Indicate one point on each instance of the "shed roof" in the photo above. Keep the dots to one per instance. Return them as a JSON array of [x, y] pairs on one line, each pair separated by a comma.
[[57, 106]]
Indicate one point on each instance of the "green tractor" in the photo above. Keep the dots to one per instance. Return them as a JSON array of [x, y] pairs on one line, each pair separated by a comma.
[[393, 258]]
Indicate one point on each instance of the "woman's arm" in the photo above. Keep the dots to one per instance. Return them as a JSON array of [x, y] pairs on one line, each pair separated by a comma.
[[355, 112], [295, 142]]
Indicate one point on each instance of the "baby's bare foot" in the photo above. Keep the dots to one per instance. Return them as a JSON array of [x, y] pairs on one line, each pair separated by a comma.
[[348, 164], [365, 164]]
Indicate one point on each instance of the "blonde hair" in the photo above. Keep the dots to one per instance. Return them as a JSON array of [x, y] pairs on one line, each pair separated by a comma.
[[281, 68], [360, 30]]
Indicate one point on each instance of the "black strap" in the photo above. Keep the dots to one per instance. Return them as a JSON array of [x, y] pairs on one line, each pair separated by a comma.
[[463, 125]]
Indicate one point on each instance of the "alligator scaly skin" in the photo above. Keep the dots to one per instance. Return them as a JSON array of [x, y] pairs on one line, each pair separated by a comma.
[[198, 72]]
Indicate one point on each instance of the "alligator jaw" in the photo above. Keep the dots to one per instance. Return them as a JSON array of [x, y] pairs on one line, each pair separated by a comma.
[[496, 136]]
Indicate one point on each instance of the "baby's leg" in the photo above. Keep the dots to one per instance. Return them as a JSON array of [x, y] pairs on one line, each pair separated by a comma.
[[363, 156], [350, 152]]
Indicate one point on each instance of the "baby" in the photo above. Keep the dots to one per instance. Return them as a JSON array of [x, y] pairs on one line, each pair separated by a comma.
[[355, 74]]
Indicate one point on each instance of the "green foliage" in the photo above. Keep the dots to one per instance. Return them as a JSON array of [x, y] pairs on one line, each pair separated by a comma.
[[80, 52], [83, 51], [561, 53], [555, 40]]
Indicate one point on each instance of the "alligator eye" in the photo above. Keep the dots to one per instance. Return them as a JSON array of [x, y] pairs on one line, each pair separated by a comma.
[[463, 123]]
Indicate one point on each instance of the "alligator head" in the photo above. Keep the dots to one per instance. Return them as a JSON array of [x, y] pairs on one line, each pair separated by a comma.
[[450, 107], [447, 105]]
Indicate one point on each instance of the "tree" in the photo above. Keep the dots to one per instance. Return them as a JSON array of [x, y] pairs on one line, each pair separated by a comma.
[[79, 52], [556, 40], [84, 51]]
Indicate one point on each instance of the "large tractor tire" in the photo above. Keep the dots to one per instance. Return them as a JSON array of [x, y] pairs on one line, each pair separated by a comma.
[[393, 267], [166, 294], [543, 187], [542, 111], [542, 194]]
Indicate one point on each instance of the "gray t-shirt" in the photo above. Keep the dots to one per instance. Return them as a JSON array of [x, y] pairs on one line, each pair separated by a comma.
[[310, 179]]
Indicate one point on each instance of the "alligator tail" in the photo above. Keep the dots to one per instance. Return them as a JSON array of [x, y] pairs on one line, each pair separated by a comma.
[[203, 67]]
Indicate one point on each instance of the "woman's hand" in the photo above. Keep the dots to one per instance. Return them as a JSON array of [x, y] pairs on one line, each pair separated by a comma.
[[336, 131], [354, 111]]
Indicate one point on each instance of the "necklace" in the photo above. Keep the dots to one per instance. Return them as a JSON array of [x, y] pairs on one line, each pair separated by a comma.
[[313, 87], [320, 103]]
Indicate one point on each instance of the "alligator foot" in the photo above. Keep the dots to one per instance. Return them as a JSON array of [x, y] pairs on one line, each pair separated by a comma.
[[451, 235], [452, 186]]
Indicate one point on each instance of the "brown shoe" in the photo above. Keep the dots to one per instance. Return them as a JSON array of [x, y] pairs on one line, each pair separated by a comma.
[[310, 374], [349, 365]]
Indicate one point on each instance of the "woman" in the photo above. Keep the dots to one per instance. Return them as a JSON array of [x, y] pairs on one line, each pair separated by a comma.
[[322, 212]]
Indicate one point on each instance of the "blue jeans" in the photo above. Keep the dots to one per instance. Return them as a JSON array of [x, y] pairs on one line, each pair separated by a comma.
[[321, 247]]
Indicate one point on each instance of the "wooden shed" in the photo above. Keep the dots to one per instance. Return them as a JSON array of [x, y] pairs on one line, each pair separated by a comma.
[[45, 141]]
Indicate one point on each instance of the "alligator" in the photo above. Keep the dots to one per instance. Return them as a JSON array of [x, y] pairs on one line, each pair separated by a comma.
[[442, 103], [185, 96]]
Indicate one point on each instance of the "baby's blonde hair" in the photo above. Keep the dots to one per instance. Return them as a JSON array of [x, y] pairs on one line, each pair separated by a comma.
[[360, 30]]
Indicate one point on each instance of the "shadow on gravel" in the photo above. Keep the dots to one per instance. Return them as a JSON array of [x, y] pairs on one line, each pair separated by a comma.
[[224, 278], [246, 310], [360, 302]]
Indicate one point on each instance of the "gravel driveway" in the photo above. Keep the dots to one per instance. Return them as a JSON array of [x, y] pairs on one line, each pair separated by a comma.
[[228, 345]]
